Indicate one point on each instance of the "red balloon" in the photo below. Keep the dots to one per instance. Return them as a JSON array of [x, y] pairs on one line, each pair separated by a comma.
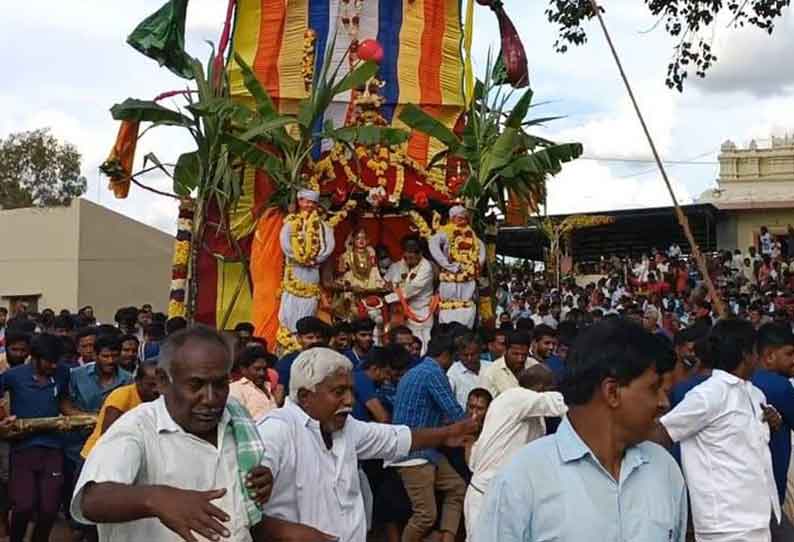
[[370, 50]]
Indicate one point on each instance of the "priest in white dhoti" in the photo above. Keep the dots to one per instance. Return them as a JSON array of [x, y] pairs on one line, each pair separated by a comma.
[[461, 255], [412, 280], [307, 241]]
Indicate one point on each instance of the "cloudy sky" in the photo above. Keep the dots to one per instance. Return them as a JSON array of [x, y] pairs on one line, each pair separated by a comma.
[[66, 62]]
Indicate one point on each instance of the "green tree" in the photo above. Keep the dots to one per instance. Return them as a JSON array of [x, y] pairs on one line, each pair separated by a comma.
[[38, 170]]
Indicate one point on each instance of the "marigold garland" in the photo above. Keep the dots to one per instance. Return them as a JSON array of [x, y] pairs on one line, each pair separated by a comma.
[[337, 218], [287, 341], [306, 237], [294, 286], [176, 308], [181, 253], [181, 261], [455, 304], [421, 225], [464, 250], [307, 63]]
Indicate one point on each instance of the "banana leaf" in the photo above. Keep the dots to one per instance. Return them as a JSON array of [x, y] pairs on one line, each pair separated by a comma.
[[359, 76], [148, 111], [161, 37], [520, 110], [257, 157], [151, 157], [548, 160], [264, 104], [187, 173], [368, 135], [417, 119]]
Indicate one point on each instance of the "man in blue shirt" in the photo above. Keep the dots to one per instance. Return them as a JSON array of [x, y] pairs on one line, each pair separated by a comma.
[[597, 478], [425, 399], [36, 460], [368, 378], [776, 349], [362, 341], [311, 332]]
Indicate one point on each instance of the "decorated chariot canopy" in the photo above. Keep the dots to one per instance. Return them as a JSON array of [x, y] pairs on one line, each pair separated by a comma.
[[328, 132]]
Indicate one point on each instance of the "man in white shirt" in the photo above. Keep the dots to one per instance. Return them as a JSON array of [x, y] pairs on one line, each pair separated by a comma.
[[314, 446], [170, 469], [502, 374], [412, 280], [724, 443], [464, 375], [515, 419], [544, 343]]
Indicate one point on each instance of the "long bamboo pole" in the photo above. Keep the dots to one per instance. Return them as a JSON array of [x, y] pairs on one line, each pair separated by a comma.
[[719, 305]]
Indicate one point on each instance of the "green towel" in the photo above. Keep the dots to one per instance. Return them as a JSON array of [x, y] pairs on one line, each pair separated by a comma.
[[249, 452]]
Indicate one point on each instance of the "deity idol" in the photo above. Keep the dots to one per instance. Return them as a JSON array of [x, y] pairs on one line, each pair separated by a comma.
[[307, 241], [461, 255], [360, 278]]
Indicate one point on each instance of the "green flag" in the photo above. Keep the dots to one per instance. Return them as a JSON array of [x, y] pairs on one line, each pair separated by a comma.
[[161, 36]]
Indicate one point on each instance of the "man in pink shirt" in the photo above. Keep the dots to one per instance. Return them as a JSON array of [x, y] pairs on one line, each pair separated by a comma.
[[254, 391]]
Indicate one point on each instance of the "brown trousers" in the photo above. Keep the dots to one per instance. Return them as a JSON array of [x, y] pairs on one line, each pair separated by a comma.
[[422, 483]]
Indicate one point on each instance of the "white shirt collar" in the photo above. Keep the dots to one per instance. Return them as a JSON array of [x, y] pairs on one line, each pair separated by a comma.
[[727, 377]]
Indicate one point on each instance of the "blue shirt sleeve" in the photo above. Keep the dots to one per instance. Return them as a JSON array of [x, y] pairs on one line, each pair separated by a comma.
[[283, 368], [364, 388], [62, 380], [780, 393], [439, 388]]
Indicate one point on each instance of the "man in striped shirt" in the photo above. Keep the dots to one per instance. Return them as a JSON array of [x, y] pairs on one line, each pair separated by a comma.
[[425, 400]]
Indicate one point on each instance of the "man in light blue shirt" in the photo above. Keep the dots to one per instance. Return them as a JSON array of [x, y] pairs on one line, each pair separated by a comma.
[[596, 478]]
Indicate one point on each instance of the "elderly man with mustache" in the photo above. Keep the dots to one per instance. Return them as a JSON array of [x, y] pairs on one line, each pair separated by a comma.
[[314, 446]]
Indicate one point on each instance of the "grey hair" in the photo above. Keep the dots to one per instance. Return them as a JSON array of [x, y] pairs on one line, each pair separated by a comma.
[[170, 348], [313, 366]]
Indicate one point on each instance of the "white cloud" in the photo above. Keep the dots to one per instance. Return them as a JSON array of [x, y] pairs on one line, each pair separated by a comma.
[[617, 133], [750, 60], [586, 186]]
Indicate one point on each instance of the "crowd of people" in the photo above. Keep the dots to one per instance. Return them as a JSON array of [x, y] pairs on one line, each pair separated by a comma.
[[623, 409]]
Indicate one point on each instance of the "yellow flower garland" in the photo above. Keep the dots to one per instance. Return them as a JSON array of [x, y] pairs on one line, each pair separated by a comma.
[[421, 225], [455, 304], [181, 253], [287, 341], [306, 236], [467, 259], [337, 218], [307, 62], [293, 285], [176, 308], [399, 184]]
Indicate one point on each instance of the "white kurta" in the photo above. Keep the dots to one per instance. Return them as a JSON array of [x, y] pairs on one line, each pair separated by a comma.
[[455, 291], [417, 286], [319, 487], [293, 307]]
